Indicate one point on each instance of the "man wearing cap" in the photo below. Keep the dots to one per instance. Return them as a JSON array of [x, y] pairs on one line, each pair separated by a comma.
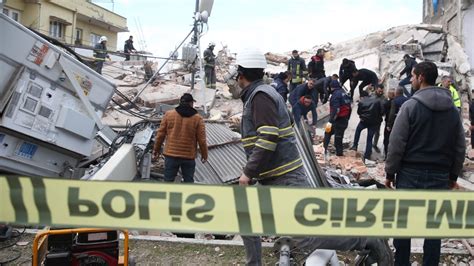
[[183, 128], [297, 69], [210, 66], [273, 159]]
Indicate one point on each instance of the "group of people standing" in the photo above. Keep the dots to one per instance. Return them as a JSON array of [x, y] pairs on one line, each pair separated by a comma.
[[420, 152]]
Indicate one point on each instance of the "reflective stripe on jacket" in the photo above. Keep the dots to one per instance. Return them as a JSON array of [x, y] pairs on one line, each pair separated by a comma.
[[100, 52], [455, 96], [285, 157], [297, 68]]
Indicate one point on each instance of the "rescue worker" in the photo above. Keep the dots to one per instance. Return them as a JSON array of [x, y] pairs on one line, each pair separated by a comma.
[[301, 108], [316, 65], [446, 82], [183, 128], [340, 113], [128, 48], [273, 158], [210, 66], [426, 150], [100, 54], [345, 71], [370, 111], [323, 86], [306, 89], [297, 69], [280, 83], [410, 62], [368, 77]]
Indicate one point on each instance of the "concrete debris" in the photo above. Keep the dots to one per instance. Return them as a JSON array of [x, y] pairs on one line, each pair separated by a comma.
[[276, 59]]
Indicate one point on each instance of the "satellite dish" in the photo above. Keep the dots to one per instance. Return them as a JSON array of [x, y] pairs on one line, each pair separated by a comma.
[[206, 5]]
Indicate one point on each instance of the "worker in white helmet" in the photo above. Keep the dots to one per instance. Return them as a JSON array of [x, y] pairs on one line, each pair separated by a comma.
[[273, 159], [100, 54], [210, 66]]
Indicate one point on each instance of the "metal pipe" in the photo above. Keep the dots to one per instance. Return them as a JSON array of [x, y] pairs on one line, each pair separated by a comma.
[[194, 40]]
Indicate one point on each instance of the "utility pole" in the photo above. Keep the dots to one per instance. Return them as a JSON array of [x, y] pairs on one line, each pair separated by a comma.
[[194, 41]]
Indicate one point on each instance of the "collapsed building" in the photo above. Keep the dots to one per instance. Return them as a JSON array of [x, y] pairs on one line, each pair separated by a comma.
[[140, 96]]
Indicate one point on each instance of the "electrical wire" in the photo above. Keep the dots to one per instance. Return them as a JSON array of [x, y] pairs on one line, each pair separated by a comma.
[[18, 253], [158, 71]]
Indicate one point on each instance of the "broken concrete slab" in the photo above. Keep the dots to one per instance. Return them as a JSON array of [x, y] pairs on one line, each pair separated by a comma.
[[204, 97], [166, 93]]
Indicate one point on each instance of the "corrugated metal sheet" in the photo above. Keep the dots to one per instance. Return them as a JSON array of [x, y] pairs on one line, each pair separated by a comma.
[[226, 158], [218, 134]]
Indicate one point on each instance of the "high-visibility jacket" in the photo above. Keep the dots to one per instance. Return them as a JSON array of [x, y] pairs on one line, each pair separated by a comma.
[[209, 58], [297, 68], [285, 156], [100, 52], [454, 95]]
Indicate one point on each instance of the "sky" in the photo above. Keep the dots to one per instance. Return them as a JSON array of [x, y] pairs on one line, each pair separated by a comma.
[[271, 25]]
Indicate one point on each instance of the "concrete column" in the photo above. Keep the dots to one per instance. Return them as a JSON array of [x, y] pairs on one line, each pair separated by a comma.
[[74, 18]]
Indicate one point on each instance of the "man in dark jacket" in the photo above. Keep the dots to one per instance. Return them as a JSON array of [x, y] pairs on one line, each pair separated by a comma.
[[397, 103], [426, 150], [128, 48], [323, 87], [379, 95], [370, 112], [183, 128], [280, 83], [301, 108], [316, 65], [297, 69], [210, 66], [345, 71], [306, 89], [387, 105], [410, 62], [367, 77], [340, 112], [273, 158]]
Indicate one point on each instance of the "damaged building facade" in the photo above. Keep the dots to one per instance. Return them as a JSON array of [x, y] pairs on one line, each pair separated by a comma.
[[457, 19], [74, 22]]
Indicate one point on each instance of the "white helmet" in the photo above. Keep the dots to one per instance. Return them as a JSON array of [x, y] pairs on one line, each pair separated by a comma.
[[102, 39], [212, 44], [251, 58]]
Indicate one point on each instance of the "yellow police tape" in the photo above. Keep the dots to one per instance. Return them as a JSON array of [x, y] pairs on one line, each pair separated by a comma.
[[235, 209]]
